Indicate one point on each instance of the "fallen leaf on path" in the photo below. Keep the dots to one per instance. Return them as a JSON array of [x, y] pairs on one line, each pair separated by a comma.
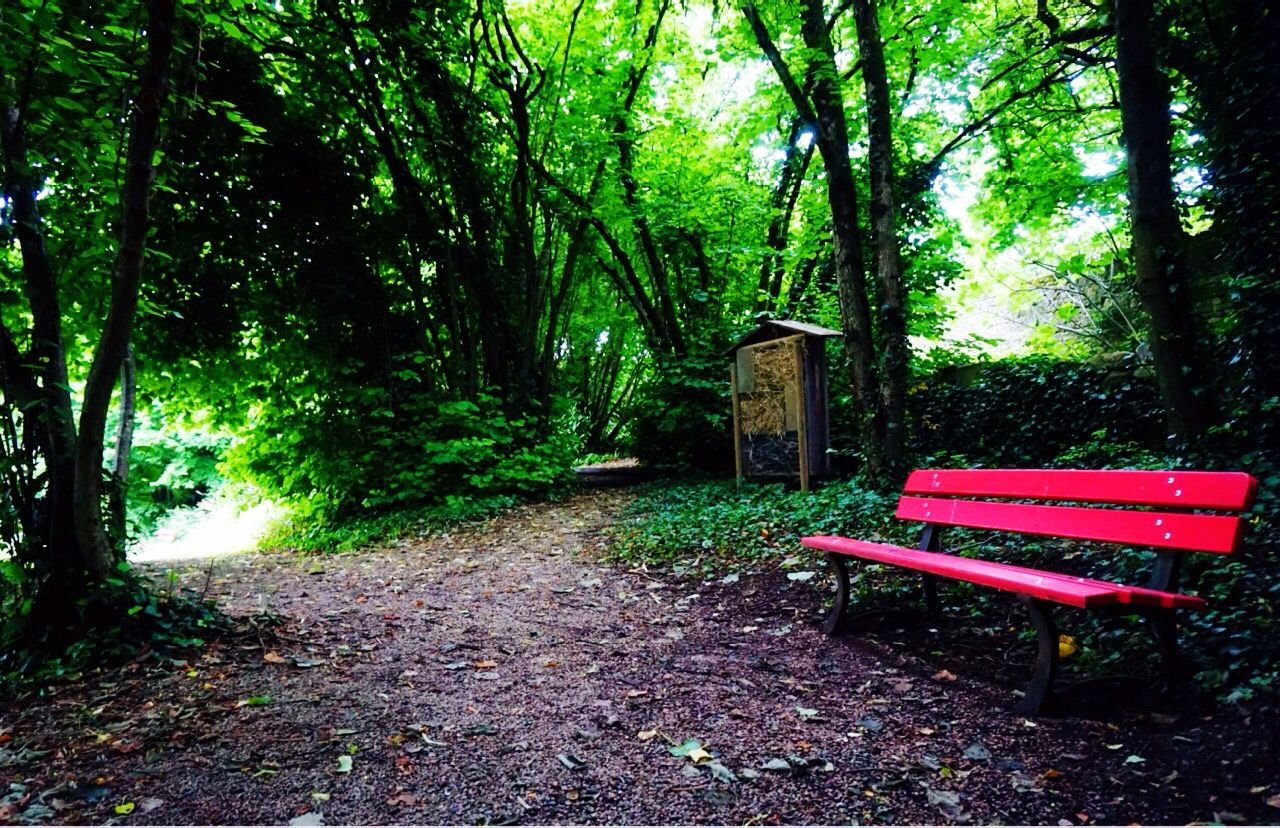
[[149, 804], [484, 665], [254, 701], [571, 762], [124, 808], [404, 798], [720, 772], [646, 735], [945, 799], [1274, 801], [309, 818], [776, 765], [273, 657], [800, 576], [1066, 646], [691, 748], [943, 675], [344, 764]]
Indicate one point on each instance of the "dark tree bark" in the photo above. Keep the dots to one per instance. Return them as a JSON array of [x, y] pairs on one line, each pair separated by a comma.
[[1163, 271], [60, 554], [99, 555], [851, 279], [895, 352], [124, 448], [1229, 55], [824, 107]]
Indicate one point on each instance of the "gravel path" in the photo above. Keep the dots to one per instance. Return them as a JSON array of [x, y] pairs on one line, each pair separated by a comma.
[[505, 674]]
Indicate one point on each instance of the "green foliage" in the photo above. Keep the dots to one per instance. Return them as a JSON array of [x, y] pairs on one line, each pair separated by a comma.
[[716, 524], [682, 417], [121, 618], [1028, 412], [319, 532], [338, 451], [170, 468]]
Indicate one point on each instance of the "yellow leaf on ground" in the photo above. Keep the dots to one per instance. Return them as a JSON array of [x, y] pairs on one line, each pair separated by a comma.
[[698, 755], [484, 665], [273, 658], [1066, 646]]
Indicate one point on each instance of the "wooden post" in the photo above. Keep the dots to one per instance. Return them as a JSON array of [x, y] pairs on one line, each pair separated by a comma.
[[737, 419], [802, 415]]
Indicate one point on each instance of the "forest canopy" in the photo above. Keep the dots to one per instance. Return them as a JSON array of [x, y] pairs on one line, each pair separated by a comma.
[[369, 258]]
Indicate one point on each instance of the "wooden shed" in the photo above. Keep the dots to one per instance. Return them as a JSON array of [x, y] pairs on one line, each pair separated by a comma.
[[781, 428]]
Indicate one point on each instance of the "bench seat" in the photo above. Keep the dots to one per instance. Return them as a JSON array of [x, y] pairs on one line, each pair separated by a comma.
[[1086, 593], [1176, 512]]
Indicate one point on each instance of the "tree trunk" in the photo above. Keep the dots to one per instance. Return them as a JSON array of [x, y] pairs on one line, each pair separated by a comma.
[[99, 556], [1230, 55], [124, 447], [795, 162], [851, 280], [895, 351], [1163, 272], [60, 554]]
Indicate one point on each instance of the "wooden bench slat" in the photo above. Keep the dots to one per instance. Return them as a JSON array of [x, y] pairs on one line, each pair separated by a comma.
[[1161, 530], [1007, 577], [909, 558], [1224, 491], [1011, 578]]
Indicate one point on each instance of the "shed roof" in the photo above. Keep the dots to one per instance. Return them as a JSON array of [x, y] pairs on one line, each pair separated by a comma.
[[778, 328]]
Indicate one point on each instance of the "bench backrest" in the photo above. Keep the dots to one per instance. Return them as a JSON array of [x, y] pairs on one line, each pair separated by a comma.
[[940, 496]]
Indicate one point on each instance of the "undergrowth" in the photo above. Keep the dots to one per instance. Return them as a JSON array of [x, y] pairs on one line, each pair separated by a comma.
[[314, 533], [712, 527], [150, 620]]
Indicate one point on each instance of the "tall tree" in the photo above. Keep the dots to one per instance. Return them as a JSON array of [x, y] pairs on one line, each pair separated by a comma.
[[824, 107], [70, 552], [895, 352], [1159, 245]]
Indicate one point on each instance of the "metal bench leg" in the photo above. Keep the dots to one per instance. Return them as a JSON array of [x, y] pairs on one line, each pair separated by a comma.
[[929, 584], [840, 608], [1164, 628], [1039, 694]]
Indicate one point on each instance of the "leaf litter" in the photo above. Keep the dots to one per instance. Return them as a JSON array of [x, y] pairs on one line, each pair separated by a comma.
[[280, 713]]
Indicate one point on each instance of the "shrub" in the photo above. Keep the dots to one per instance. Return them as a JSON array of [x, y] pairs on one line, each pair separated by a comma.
[[682, 417], [358, 453], [1029, 412]]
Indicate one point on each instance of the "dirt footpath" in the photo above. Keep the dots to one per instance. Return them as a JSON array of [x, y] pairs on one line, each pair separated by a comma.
[[505, 674]]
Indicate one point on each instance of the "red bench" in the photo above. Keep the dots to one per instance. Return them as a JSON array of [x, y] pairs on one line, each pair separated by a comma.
[[1173, 520]]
